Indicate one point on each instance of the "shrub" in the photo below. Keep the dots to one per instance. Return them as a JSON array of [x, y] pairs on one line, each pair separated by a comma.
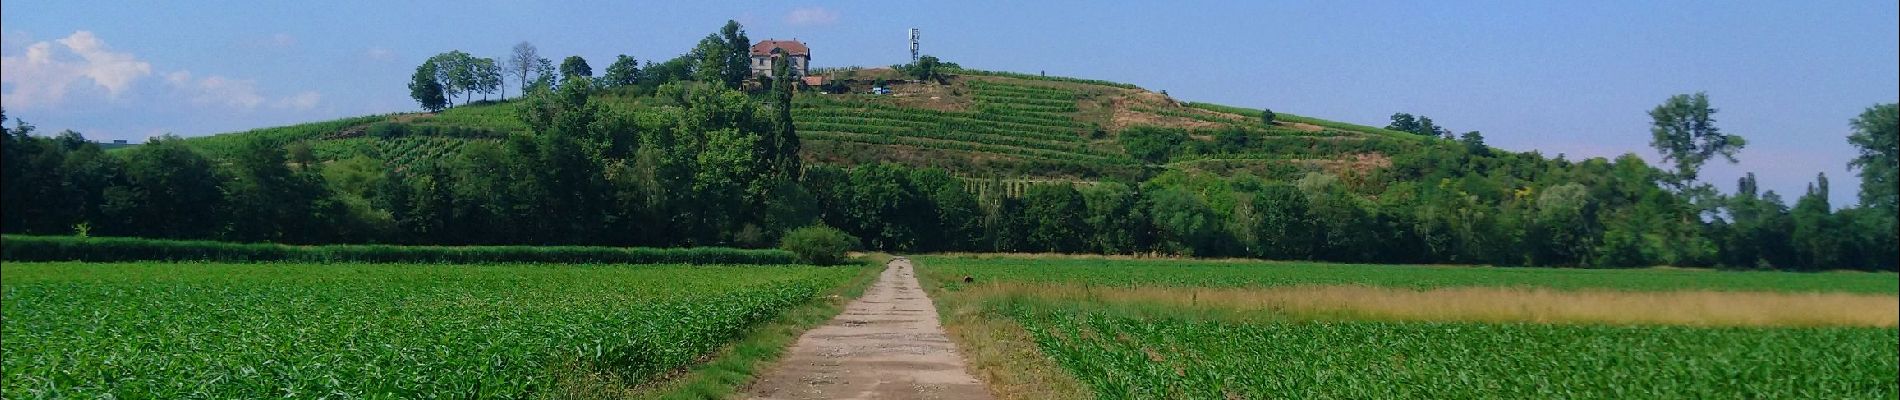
[[818, 244], [110, 249], [1266, 117]]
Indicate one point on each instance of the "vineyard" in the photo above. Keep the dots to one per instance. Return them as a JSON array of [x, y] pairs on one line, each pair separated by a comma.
[[1250, 329], [978, 123], [200, 330]]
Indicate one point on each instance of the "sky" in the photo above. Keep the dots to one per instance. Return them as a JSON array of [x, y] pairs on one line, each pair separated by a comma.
[[1572, 78]]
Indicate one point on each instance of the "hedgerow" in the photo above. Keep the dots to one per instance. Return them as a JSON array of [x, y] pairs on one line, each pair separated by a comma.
[[107, 249]]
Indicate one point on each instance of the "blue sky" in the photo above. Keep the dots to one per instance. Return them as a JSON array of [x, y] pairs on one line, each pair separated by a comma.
[[1558, 77]]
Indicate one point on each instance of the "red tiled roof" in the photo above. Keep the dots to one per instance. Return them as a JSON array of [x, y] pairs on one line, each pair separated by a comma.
[[790, 47]]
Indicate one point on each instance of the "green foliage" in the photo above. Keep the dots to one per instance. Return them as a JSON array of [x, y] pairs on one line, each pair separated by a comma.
[[1152, 144], [1877, 137], [427, 91], [575, 67], [818, 244], [1166, 357], [1054, 214], [1263, 274], [375, 330], [1684, 131], [624, 72], [1015, 75], [115, 249], [1266, 117]]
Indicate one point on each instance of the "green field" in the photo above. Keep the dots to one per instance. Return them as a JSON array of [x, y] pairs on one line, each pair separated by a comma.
[[165, 330], [1209, 273], [1119, 348]]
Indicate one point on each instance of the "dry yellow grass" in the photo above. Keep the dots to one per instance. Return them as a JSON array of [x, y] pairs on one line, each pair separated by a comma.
[[1479, 304], [1000, 352]]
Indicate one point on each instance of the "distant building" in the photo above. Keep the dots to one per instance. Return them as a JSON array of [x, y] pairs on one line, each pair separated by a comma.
[[766, 50]]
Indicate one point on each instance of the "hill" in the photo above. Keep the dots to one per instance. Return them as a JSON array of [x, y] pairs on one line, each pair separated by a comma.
[[972, 123]]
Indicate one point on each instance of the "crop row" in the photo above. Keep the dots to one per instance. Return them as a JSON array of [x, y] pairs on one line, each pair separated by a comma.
[[992, 139], [956, 124], [66, 248], [807, 103], [1037, 91], [1282, 116], [926, 142], [1190, 273], [1161, 357], [275, 330], [957, 120], [1045, 78]]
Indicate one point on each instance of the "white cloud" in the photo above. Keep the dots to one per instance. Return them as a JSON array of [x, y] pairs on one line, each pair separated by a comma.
[[216, 90], [45, 73], [809, 16], [275, 41], [379, 54], [301, 101]]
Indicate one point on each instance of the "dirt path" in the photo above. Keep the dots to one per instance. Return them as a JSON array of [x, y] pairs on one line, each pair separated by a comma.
[[887, 344]]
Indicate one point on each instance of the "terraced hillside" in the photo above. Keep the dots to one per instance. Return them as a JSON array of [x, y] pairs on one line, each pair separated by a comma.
[[1009, 129]]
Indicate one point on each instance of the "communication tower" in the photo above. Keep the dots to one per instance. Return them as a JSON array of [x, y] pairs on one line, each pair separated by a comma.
[[913, 45]]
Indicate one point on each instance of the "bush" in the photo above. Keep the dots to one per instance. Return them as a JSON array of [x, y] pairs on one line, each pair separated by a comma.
[[818, 244], [97, 249]]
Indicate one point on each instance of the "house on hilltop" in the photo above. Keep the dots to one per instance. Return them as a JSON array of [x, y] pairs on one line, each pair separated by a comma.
[[766, 50]]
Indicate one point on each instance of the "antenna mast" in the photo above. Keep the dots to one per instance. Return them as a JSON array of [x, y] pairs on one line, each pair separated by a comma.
[[913, 45]]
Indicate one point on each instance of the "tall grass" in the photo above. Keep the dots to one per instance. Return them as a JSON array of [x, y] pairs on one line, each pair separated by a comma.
[[66, 248]]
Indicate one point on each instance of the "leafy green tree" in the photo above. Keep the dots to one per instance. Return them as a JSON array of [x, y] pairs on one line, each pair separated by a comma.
[[427, 91], [1151, 144], [457, 73], [1474, 143], [624, 72], [1184, 223], [1818, 237], [781, 145], [487, 73], [1055, 215], [172, 191], [575, 67], [1877, 137], [738, 54], [1267, 116], [926, 68], [1683, 130], [1286, 225], [1116, 218], [1403, 122]]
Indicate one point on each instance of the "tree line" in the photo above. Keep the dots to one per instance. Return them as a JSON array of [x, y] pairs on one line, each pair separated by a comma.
[[714, 161]]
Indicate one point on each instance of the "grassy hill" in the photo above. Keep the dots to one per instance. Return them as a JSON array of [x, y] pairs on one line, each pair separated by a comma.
[[977, 124]]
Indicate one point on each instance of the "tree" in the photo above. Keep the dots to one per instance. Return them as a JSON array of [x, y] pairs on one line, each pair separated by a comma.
[[1817, 238], [926, 68], [738, 55], [1474, 143], [724, 57], [1403, 122], [457, 73], [1877, 137], [427, 91], [487, 77], [624, 72], [524, 61], [1267, 116], [575, 66], [1286, 226], [1054, 213], [172, 191], [1683, 130], [781, 144]]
